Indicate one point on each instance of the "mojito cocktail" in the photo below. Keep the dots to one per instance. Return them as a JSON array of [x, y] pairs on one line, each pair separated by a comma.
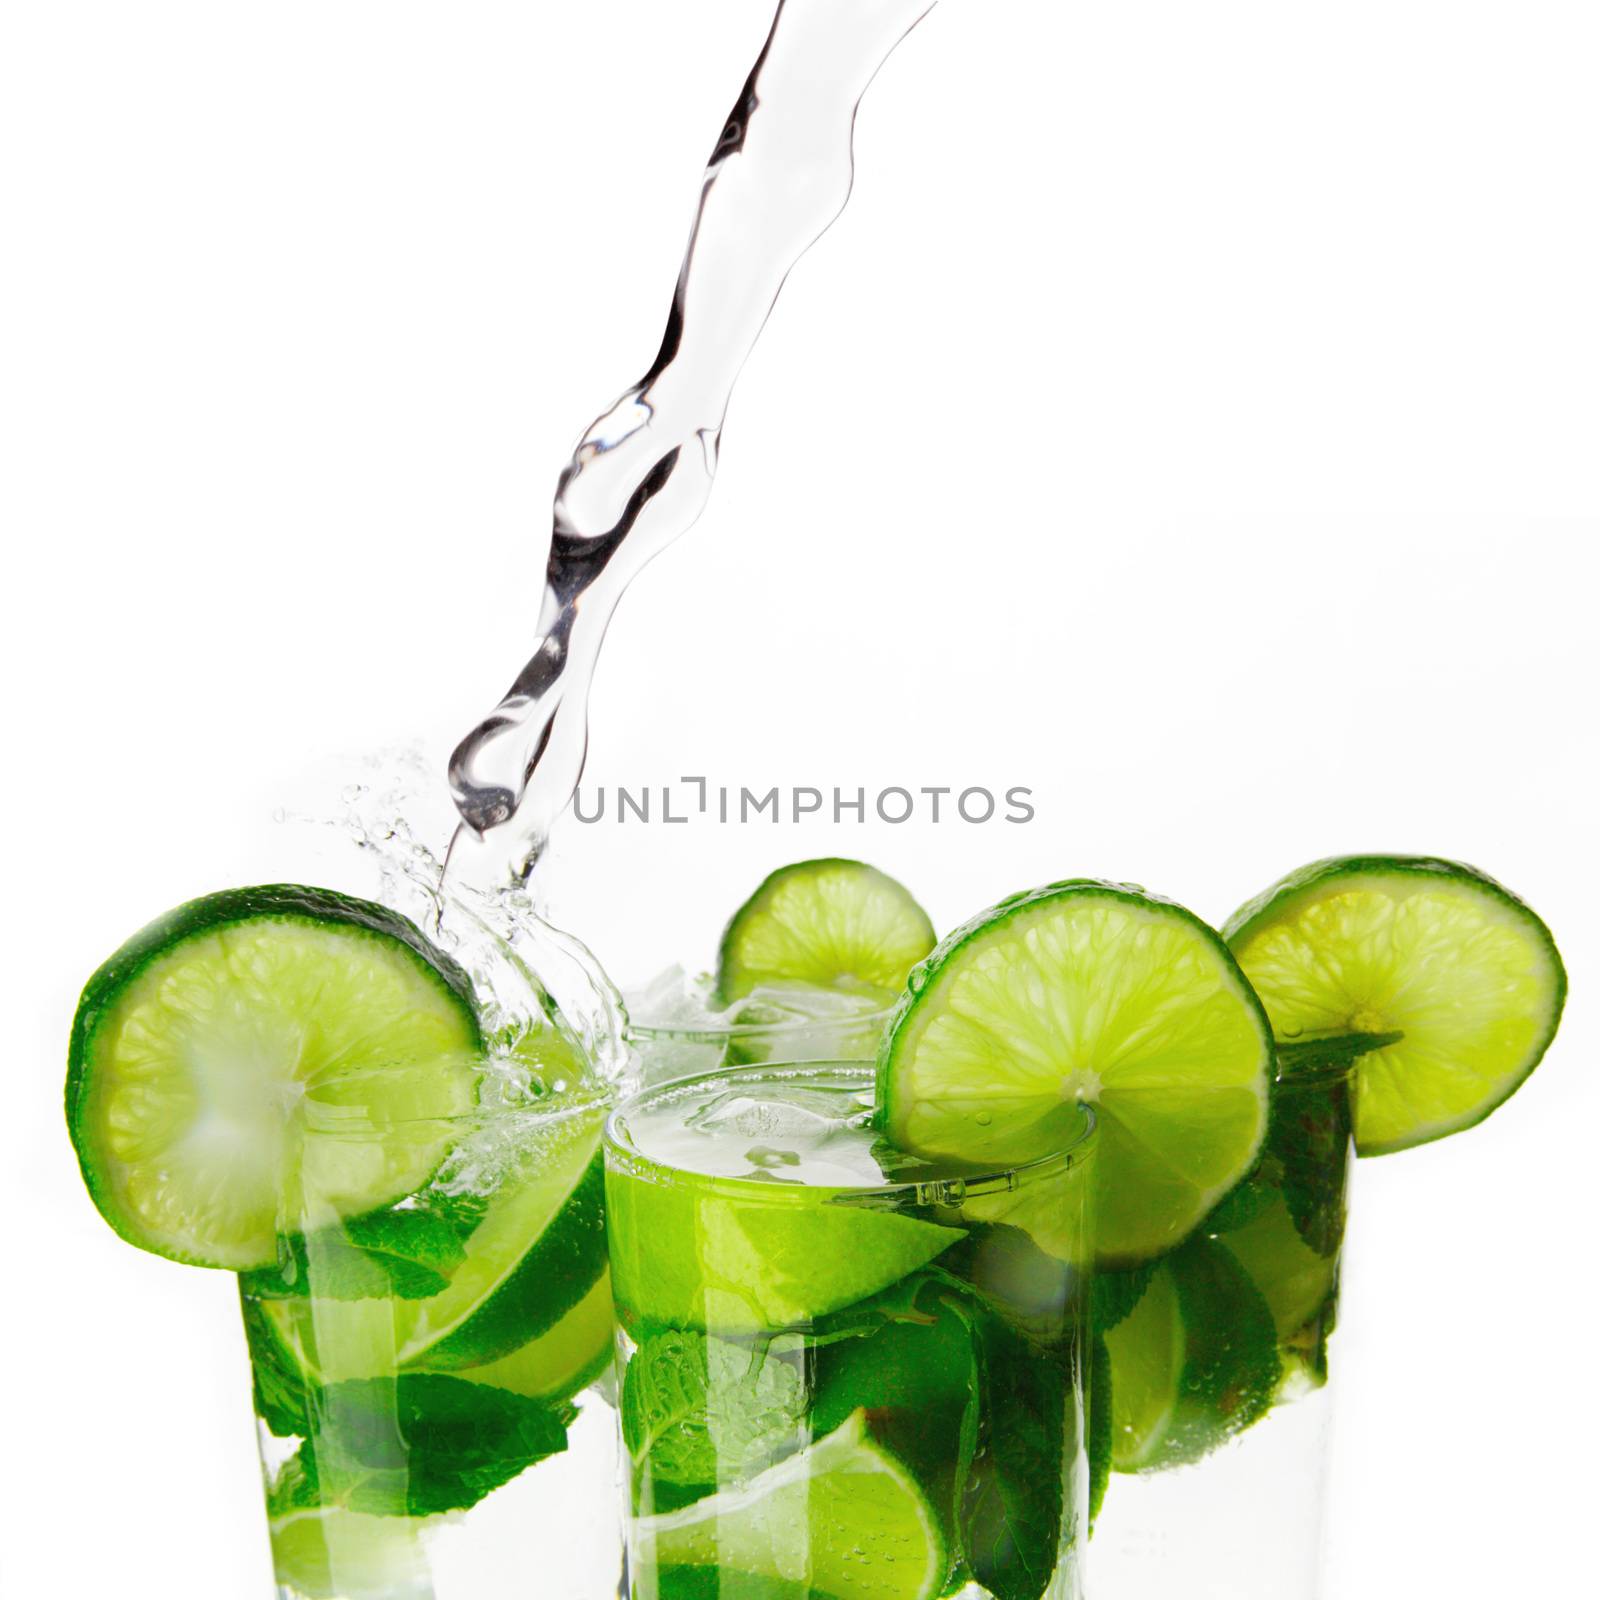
[[844, 1372], [296, 1086], [420, 1371], [808, 969], [1216, 1363]]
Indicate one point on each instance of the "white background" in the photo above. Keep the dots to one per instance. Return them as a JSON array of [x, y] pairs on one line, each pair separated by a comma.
[[1193, 418]]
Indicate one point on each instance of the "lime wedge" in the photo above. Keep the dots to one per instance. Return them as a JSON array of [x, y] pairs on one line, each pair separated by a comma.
[[833, 923], [328, 1553], [1295, 1281], [203, 1049], [1193, 1364], [1432, 950], [686, 1256], [842, 1518], [1145, 1352], [1086, 992], [1101, 1428], [536, 1253], [538, 1247], [561, 1362]]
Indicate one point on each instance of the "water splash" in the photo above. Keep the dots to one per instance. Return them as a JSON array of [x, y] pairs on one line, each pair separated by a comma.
[[526, 973], [641, 475]]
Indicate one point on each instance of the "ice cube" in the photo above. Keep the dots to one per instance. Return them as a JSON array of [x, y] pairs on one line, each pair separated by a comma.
[[673, 1000], [805, 1119], [804, 1002]]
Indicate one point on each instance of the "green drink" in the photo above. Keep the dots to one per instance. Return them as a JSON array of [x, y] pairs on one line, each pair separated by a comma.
[[419, 1372], [808, 969], [1202, 1343], [1360, 1006], [846, 1373], [296, 1086]]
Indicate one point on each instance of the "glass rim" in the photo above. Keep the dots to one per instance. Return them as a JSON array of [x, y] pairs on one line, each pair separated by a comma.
[[1311, 1072], [946, 1188], [716, 1031], [330, 1120]]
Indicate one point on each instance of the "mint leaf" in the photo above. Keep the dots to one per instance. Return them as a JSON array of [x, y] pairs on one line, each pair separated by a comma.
[[1113, 1295], [1309, 1137], [415, 1445], [1231, 1362], [277, 1387], [1012, 1510], [699, 1412], [405, 1251], [1005, 1267], [912, 1366], [1097, 1399]]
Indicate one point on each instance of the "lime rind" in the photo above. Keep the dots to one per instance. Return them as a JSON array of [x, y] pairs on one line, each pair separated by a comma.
[[535, 1256], [1434, 950], [843, 1516], [1195, 1364], [538, 1250], [1087, 991], [563, 1360], [745, 1258], [330, 1553], [832, 922], [198, 1179]]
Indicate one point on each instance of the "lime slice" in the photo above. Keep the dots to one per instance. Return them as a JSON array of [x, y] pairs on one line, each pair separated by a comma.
[[537, 1249], [1432, 950], [1086, 992], [688, 1255], [1101, 1428], [203, 1049], [1193, 1364], [718, 1583], [561, 1362], [1295, 1281], [1145, 1352], [328, 1553], [537, 1252], [833, 923], [842, 1518]]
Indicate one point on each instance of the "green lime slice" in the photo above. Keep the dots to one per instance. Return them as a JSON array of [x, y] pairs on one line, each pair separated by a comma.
[[1432, 950], [1100, 1431], [1145, 1353], [536, 1252], [538, 1247], [833, 923], [719, 1583], [561, 1362], [1193, 1364], [843, 1517], [205, 1047], [1295, 1281], [1086, 992], [691, 1255], [328, 1553]]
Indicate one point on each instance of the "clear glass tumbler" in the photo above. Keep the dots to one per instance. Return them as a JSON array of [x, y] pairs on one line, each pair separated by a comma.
[[816, 1026], [843, 1373], [427, 1376], [1216, 1370]]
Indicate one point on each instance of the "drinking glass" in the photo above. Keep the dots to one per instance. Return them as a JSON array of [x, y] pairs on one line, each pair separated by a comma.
[[664, 1049], [843, 1374], [1222, 1356], [428, 1377]]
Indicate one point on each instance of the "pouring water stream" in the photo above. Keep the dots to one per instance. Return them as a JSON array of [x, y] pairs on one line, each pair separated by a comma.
[[642, 473]]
